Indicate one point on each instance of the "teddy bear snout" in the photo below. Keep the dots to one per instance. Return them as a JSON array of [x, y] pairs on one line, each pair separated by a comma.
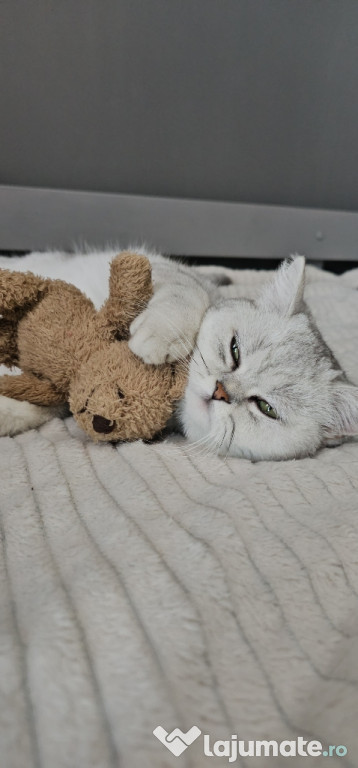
[[101, 424]]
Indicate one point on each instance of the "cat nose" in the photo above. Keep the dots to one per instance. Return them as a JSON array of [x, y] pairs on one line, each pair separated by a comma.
[[220, 393], [100, 424]]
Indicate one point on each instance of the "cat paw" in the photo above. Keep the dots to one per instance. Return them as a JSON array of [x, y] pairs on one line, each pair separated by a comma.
[[155, 341]]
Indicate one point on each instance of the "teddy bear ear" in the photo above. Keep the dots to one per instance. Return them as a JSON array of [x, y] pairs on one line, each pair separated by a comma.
[[130, 288]]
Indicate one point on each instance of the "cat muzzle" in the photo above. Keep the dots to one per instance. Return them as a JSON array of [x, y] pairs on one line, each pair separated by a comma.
[[220, 393]]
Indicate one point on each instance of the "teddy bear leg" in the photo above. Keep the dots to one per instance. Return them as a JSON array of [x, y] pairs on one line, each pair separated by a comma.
[[19, 291], [8, 342], [30, 388]]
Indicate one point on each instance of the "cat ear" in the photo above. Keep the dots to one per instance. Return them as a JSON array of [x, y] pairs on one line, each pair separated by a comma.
[[284, 294], [342, 420]]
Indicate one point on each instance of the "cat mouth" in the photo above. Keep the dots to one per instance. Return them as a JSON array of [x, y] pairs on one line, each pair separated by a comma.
[[206, 400], [204, 405]]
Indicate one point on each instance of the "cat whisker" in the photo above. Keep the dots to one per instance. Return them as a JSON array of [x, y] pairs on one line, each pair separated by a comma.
[[206, 366], [199, 372], [191, 449], [231, 436], [223, 438], [198, 452], [197, 447], [184, 341]]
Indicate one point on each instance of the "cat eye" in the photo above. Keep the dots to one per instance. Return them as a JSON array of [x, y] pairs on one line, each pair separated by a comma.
[[235, 352], [266, 408]]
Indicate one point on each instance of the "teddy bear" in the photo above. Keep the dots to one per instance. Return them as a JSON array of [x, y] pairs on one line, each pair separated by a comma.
[[70, 353]]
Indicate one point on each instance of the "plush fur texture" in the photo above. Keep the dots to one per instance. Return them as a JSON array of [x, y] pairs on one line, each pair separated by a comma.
[[68, 352]]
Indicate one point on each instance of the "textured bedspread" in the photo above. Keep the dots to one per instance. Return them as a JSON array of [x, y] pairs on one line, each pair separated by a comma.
[[146, 585]]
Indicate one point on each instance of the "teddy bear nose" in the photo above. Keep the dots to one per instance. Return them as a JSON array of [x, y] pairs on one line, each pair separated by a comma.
[[100, 424]]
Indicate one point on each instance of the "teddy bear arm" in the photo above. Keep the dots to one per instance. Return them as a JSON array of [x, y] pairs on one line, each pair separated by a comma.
[[130, 288], [26, 386]]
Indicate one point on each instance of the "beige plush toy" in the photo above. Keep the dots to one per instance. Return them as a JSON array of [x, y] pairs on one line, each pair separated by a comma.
[[69, 352]]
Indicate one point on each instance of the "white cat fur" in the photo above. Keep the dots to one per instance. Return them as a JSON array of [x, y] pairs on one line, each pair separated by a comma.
[[283, 359]]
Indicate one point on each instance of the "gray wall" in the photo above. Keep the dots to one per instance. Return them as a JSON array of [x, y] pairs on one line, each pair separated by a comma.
[[242, 100]]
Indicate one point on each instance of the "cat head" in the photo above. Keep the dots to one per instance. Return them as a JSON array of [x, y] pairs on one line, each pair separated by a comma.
[[262, 383]]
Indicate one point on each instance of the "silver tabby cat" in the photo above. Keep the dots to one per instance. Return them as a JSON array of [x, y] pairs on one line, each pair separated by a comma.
[[262, 383]]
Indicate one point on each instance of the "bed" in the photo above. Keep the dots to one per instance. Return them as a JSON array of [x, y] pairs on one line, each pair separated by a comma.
[[151, 585]]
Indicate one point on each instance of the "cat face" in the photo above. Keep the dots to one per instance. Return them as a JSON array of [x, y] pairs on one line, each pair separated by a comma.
[[262, 383]]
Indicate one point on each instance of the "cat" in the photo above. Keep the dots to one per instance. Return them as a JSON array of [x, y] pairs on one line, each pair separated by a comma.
[[262, 383]]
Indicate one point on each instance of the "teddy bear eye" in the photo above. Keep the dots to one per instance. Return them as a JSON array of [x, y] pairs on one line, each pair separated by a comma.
[[120, 394]]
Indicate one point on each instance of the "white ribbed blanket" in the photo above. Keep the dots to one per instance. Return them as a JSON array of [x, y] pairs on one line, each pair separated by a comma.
[[146, 585]]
